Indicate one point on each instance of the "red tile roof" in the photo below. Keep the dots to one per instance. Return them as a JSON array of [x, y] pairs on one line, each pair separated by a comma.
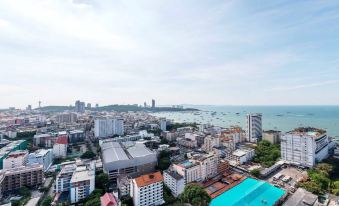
[[108, 199], [149, 179], [62, 140]]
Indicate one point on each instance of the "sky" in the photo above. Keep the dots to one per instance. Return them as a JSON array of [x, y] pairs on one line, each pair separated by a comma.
[[177, 52]]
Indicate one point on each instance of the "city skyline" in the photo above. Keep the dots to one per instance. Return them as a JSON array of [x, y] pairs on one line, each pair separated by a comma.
[[191, 52]]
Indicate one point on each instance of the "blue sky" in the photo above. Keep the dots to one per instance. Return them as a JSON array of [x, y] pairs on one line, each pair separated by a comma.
[[192, 51]]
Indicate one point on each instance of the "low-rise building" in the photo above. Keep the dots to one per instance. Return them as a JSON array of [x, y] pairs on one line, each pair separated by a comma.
[[108, 199], [147, 190], [131, 159]]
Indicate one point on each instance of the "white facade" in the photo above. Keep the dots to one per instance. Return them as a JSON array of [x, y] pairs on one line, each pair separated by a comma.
[[108, 127], [15, 159], [82, 184], [147, 192], [60, 150], [63, 179], [254, 127], [163, 124], [304, 148], [43, 157], [210, 142], [175, 182], [189, 170], [208, 165]]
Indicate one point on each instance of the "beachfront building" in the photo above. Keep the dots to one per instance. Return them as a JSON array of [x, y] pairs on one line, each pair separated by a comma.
[[254, 127], [304, 146], [147, 190]]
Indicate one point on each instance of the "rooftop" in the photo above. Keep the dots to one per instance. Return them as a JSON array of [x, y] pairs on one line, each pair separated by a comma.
[[309, 131], [148, 179], [62, 140], [108, 199], [300, 198]]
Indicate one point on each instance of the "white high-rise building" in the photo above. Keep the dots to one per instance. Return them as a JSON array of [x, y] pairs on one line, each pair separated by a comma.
[[254, 127], [108, 127], [304, 146], [82, 183], [174, 181], [163, 124], [147, 190]]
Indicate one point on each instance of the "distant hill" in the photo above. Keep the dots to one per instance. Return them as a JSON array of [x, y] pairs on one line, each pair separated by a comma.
[[118, 108]]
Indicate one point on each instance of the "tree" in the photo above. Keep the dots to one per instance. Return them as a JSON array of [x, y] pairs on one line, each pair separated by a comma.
[[47, 201], [324, 168], [255, 173], [24, 191], [88, 155], [195, 195], [127, 201], [93, 202], [266, 153], [102, 181], [164, 160]]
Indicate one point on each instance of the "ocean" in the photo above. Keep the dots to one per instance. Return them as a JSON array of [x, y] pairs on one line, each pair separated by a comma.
[[283, 118]]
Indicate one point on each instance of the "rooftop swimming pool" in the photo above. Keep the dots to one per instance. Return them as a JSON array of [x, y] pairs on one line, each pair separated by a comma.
[[250, 192]]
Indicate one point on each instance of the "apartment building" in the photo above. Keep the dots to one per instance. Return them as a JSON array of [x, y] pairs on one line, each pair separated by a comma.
[[208, 165], [66, 118], [16, 178], [189, 170], [63, 179], [210, 142], [254, 127], [174, 181], [82, 183], [60, 147], [15, 159], [147, 190], [304, 146], [43, 157], [106, 127]]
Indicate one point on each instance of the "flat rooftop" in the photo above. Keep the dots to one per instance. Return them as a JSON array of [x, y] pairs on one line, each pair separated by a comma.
[[308, 131]]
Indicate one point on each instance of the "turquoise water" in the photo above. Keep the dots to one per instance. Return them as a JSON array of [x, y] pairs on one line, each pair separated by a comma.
[[283, 118], [250, 192]]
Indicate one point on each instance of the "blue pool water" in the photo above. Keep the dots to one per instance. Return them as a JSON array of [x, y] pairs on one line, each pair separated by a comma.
[[250, 192]]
